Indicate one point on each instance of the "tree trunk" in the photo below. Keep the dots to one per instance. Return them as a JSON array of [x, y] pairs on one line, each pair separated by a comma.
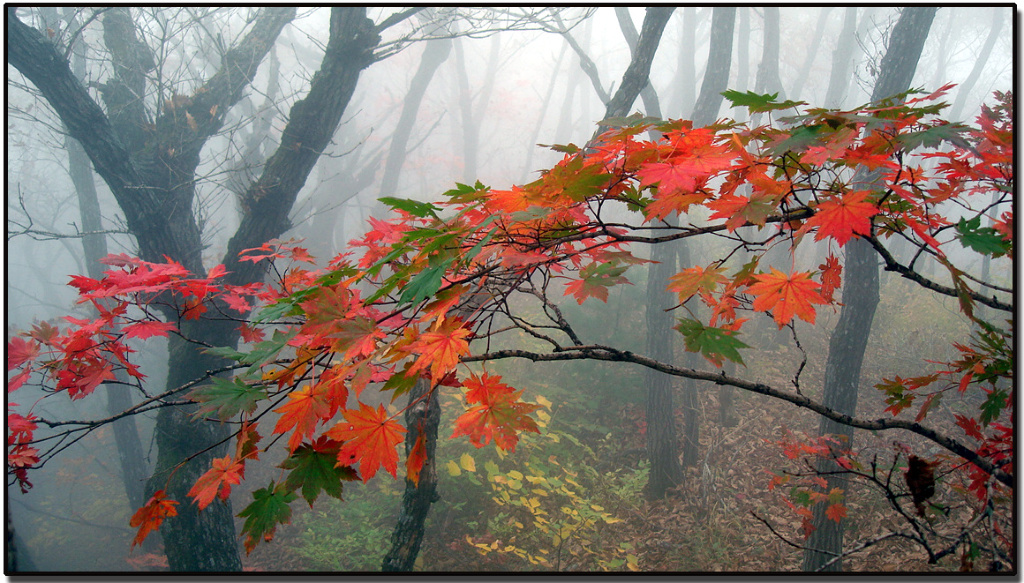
[[472, 112], [768, 80], [743, 58], [842, 59], [126, 434], [637, 74], [860, 297], [716, 76], [684, 83], [434, 55], [422, 418], [964, 90], [805, 69], [154, 186]]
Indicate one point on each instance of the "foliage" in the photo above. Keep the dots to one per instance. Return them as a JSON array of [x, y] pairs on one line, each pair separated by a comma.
[[553, 514], [349, 535], [442, 274]]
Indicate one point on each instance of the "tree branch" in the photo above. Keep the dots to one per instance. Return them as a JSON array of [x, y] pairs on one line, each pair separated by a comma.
[[605, 353]]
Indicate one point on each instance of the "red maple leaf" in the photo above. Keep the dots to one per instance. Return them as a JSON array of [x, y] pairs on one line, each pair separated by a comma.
[[370, 438], [217, 481], [19, 428], [148, 329], [841, 218], [19, 352], [250, 334], [500, 415], [149, 517], [304, 409], [414, 463], [786, 296], [831, 277]]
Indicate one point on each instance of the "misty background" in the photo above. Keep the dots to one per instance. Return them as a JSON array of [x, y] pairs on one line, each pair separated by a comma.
[[486, 99]]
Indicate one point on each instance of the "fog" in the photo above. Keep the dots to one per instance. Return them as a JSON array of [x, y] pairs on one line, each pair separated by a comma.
[[503, 83]]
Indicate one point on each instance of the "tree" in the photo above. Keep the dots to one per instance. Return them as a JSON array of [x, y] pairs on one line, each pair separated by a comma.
[[152, 175], [860, 296], [979, 64], [146, 142], [467, 275]]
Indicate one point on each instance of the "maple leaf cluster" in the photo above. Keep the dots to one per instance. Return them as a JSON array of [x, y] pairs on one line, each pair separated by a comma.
[[436, 276]]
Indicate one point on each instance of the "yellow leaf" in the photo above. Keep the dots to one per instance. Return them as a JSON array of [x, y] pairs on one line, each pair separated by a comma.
[[596, 507], [453, 469], [467, 462], [544, 402], [515, 475]]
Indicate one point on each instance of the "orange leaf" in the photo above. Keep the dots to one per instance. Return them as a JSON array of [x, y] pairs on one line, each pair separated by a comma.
[[690, 281], [149, 517], [831, 277], [500, 414], [740, 210], [840, 219], [442, 348], [786, 296], [835, 512], [414, 464], [217, 481], [303, 410], [370, 438]]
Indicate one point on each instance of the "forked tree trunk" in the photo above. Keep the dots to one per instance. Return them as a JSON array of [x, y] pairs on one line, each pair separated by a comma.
[[152, 176]]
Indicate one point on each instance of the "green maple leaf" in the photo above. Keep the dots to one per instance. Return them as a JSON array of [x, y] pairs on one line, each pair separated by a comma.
[[713, 343], [984, 240], [413, 207], [313, 469], [227, 397], [757, 102], [269, 508], [425, 284], [993, 406], [267, 350]]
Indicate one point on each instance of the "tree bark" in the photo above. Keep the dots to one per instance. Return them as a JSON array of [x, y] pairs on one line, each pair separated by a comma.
[[860, 297], [637, 74], [420, 418], [716, 76], [472, 112], [842, 58], [768, 80]]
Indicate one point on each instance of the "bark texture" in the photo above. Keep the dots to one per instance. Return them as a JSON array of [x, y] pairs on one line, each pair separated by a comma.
[[421, 418]]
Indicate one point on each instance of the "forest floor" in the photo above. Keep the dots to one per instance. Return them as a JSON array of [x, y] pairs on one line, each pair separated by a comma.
[[707, 525]]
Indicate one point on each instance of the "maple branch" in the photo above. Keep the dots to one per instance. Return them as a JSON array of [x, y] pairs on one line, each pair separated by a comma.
[[605, 353], [139, 407], [892, 265]]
